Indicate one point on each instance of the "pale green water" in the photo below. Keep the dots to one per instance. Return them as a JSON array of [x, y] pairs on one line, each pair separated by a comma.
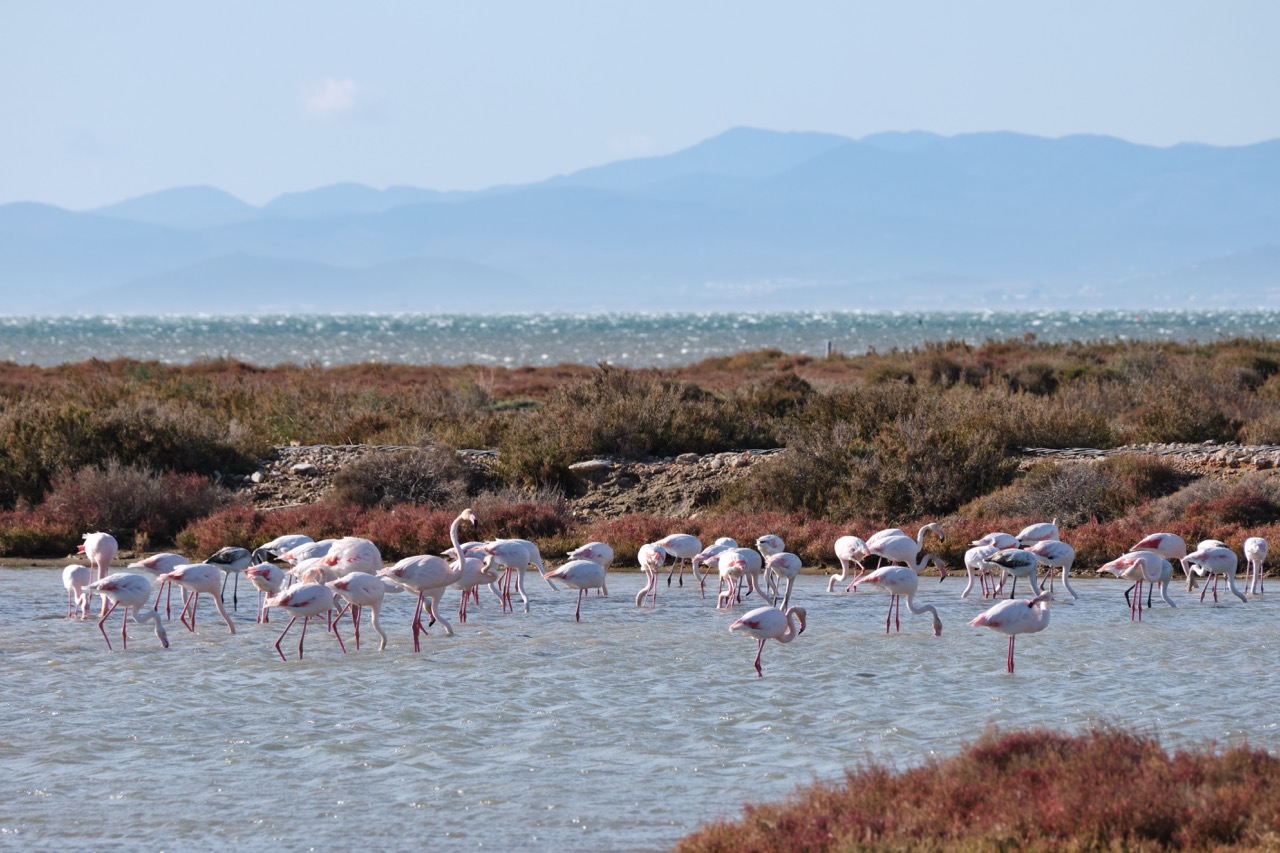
[[623, 732], [542, 339]]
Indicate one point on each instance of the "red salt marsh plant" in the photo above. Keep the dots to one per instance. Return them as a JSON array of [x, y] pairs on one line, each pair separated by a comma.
[[1102, 790]]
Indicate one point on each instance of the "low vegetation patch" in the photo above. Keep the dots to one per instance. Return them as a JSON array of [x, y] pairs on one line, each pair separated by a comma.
[[1104, 790]]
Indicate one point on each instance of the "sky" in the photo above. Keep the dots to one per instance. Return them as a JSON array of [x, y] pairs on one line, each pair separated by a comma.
[[103, 101]]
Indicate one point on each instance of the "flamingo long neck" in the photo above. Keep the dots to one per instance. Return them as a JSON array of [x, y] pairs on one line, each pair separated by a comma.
[[924, 608], [149, 615]]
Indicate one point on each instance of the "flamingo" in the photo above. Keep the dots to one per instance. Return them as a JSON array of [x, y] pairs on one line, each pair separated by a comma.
[[1140, 567], [197, 578], [1219, 561], [998, 539], [976, 561], [1055, 554], [1038, 532], [597, 552], [651, 556], [1162, 582], [513, 557], [704, 556], [232, 561], [156, 565], [1171, 546], [133, 592], [268, 579], [1255, 554], [429, 576], [849, 549], [283, 544], [899, 581], [307, 551], [353, 554], [679, 546], [582, 575], [770, 623], [787, 565], [305, 600], [900, 548], [475, 573], [1024, 616], [359, 590], [75, 578], [100, 549], [1016, 562], [734, 565]]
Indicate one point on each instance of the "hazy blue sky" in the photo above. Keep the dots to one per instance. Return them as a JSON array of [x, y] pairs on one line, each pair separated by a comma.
[[105, 100]]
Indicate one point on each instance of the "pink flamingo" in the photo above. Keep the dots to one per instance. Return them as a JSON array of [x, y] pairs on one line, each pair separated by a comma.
[[998, 539], [476, 572], [582, 575], [305, 600], [1171, 546], [359, 590], [770, 623], [901, 581], [156, 565], [849, 549], [976, 562], [651, 557], [100, 549], [1055, 554], [706, 555], [1033, 533], [1140, 567], [679, 547], [133, 592], [308, 550], [1255, 554], [353, 554], [1024, 616], [735, 565], [268, 579], [429, 576], [1219, 561], [75, 578], [788, 565], [596, 552], [199, 578]]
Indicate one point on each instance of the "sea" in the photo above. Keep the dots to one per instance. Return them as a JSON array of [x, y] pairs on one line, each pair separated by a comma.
[[635, 340], [530, 731]]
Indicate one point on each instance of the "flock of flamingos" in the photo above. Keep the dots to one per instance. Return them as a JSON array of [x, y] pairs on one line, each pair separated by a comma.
[[348, 575]]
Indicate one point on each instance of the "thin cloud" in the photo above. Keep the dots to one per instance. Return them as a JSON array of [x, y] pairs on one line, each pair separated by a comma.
[[331, 98]]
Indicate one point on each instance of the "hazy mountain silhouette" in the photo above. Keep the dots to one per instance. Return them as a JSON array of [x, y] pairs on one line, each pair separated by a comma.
[[747, 220]]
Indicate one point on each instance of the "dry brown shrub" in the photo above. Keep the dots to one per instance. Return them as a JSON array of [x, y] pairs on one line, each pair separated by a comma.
[[433, 475]]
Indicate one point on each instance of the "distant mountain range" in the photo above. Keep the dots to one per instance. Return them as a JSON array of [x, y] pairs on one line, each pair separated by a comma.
[[748, 220]]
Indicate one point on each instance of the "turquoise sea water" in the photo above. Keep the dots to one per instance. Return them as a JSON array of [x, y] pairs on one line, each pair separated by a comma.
[[638, 340]]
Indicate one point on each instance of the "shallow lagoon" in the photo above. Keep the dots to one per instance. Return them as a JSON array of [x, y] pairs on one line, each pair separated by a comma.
[[622, 732]]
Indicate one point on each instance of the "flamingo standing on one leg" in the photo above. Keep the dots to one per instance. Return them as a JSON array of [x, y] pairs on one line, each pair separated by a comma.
[[770, 623], [199, 578], [305, 600], [133, 592], [582, 575], [75, 578], [901, 581], [1024, 616], [1255, 554], [597, 552]]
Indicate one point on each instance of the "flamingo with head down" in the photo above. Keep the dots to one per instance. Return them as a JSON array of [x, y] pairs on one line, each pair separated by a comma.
[[133, 592], [770, 623], [900, 582]]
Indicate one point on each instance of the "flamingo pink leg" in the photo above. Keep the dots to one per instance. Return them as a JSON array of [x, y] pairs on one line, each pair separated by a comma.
[[759, 652], [1012, 637], [106, 611], [282, 633]]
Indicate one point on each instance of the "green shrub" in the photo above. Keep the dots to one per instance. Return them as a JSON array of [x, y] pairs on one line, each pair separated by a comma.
[[433, 475]]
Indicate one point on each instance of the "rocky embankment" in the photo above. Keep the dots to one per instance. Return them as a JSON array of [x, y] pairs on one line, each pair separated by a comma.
[[682, 485]]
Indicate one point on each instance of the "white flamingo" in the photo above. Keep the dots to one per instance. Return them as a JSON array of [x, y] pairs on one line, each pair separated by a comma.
[[1140, 567], [581, 575], [1055, 554], [156, 565], [75, 578], [976, 563], [1171, 546], [784, 564], [736, 565], [197, 579], [901, 581], [850, 550], [1033, 533], [1255, 554], [679, 547], [770, 623], [651, 556], [133, 592], [1219, 561]]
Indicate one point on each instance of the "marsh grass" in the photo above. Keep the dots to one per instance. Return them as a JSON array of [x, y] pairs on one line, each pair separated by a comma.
[[1037, 790]]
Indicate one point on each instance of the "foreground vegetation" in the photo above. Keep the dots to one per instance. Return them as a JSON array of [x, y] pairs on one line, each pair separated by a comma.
[[1105, 790], [885, 438]]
